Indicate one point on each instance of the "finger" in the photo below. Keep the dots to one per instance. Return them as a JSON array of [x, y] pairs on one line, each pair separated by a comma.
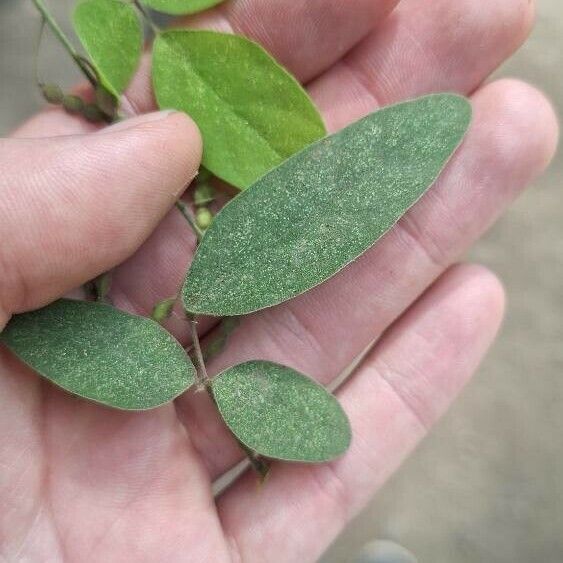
[[132, 480], [81, 205], [428, 53], [396, 395], [424, 46], [53, 121], [307, 37], [314, 35], [418, 54], [512, 138]]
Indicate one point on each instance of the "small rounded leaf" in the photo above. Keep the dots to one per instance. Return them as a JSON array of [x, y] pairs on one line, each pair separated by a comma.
[[102, 354], [111, 33], [280, 413], [163, 309], [179, 7], [251, 112]]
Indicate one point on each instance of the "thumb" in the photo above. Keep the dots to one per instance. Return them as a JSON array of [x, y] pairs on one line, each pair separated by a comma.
[[73, 207]]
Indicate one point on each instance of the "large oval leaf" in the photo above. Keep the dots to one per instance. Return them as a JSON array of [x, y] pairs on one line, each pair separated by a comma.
[[112, 35], [322, 208], [280, 413], [177, 7], [102, 354], [251, 112]]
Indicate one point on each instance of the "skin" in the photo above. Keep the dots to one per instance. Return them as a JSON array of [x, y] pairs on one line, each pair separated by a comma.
[[79, 482]]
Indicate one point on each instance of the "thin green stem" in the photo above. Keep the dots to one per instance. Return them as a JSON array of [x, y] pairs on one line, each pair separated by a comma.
[[37, 50], [48, 17], [259, 464], [143, 11], [184, 210], [63, 39]]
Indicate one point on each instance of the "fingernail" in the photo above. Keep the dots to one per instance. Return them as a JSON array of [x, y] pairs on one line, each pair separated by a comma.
[[138, 120]]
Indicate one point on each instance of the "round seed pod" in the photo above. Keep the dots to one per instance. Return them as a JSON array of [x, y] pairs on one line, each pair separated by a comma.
[[203, 218], [52, 94], [93, 113], [73, 104]]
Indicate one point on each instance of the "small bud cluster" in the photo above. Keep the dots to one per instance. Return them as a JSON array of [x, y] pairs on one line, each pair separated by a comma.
[[204, 194], [102, 110]]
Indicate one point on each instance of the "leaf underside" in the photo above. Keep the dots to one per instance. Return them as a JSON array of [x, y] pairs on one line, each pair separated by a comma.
[[322, 208], [179, 7], [101, 353], [280, 413], [111, 34], [251, 112]]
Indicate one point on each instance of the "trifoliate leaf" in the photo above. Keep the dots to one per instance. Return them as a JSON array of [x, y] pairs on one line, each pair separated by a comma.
[[323, 207], [101, 353], [112, 35], [252, 114], [179, 7], [280, 413]]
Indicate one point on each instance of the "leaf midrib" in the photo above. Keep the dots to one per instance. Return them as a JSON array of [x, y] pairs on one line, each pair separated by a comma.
[[230, 108]]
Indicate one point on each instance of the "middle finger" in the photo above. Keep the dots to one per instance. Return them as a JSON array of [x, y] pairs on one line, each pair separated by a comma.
[[512, 138], [423, 46]]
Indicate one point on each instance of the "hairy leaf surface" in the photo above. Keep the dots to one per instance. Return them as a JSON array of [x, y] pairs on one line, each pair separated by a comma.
[[112, 35], [322, 208], [101, 353], [178, 7], [280, 413], [251, 112]]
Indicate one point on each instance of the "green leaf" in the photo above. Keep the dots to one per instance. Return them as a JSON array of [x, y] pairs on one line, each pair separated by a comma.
[[112, 35], [279, 413], [102, 354], [321, 209], [163, 309], [251, 112], [178, 7]]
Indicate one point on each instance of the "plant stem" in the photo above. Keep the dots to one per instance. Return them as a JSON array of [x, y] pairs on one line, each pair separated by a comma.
[[203, 377], [146, 16], [183, 208], [259, 465], [37, 49], [63, 39]]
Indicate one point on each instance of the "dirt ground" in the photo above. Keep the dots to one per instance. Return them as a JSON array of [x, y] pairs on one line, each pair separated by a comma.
[[487, 485]]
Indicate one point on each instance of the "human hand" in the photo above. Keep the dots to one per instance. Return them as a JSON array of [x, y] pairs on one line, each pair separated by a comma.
[[81, 482]]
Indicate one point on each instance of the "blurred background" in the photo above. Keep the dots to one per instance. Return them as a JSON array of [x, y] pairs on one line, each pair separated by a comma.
[[487, 485]]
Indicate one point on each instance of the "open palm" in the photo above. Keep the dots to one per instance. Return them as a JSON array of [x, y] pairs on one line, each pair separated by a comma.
[[80, 482]]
